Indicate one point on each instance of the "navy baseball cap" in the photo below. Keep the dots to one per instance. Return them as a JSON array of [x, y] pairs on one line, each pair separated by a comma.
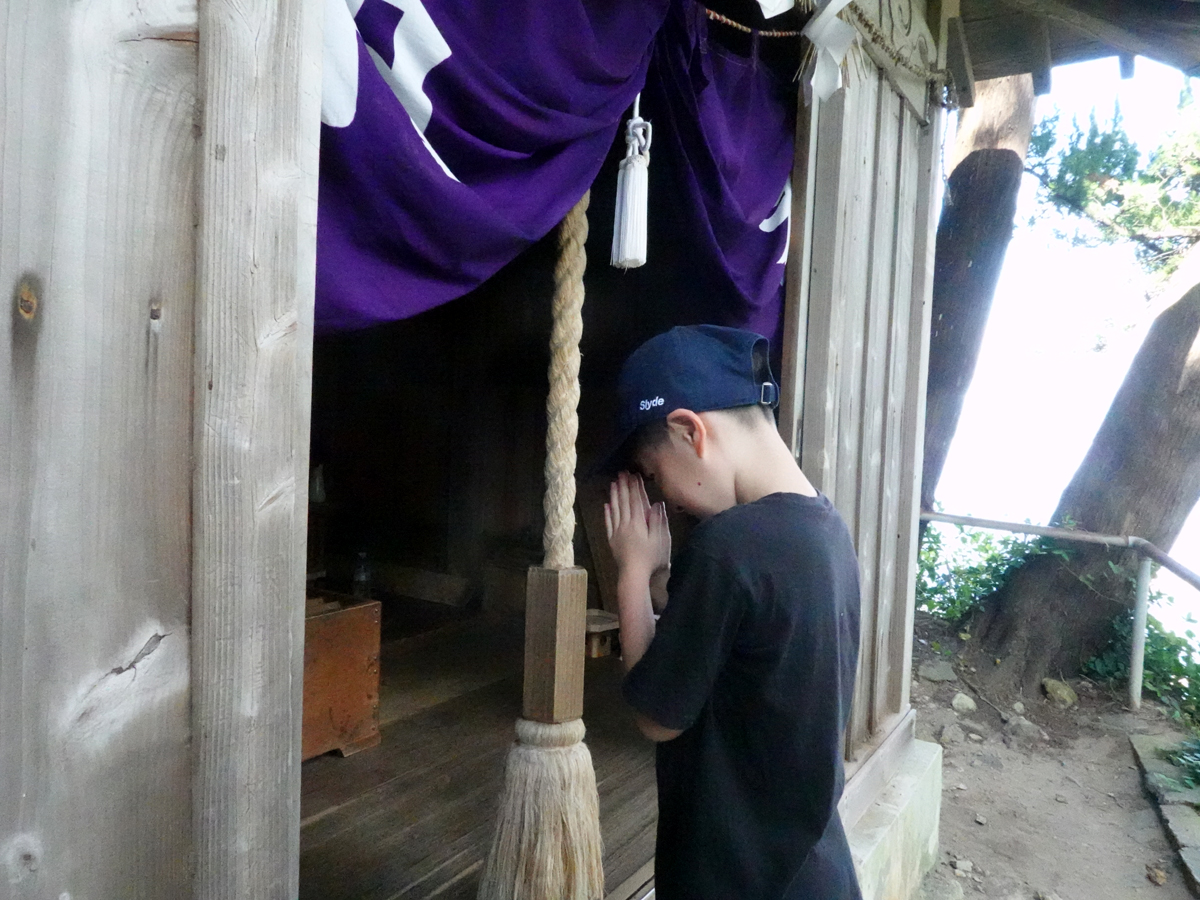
[[696, 367]]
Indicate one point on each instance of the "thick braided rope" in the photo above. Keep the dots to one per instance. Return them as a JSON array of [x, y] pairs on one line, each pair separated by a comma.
[[562, 403]]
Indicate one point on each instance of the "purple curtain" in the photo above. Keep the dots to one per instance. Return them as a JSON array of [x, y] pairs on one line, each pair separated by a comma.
[[724, 130], [455, 134]]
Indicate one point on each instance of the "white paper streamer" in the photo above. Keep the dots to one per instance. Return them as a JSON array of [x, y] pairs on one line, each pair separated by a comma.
[[831, 39], [773, 8]]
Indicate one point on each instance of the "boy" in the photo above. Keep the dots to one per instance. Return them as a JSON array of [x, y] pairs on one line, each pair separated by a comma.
[[746, 679]]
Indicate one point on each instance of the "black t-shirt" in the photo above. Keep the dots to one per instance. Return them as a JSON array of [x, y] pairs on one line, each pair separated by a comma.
[[754, 659]]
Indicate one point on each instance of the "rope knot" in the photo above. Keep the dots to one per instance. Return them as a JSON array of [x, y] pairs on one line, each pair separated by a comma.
[[550, 735]]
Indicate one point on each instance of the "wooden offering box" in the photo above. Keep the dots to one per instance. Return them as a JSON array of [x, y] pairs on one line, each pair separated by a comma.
[[341, 676]]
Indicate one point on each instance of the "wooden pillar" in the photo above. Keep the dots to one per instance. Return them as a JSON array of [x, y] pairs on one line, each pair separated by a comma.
[[259, 90], [929, 205], [799, 262]]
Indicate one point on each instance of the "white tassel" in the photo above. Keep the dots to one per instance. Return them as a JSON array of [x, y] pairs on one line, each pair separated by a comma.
[[629, 225]]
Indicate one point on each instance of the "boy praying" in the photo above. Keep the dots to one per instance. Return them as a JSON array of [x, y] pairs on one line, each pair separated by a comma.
[[746, 679]]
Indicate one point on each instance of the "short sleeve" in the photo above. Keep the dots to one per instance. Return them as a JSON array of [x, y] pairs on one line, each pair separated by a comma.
[[695, 635]]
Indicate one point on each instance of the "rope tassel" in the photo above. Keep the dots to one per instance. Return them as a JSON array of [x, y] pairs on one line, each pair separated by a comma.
[[547, 843], [629, 225]]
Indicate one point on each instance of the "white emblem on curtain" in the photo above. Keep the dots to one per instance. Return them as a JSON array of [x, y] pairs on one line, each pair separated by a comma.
[[782, 213], [417, 48]]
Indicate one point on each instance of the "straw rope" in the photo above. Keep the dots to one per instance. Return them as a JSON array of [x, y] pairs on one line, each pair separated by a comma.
[[866, 26], [805, 6], [562, 402]]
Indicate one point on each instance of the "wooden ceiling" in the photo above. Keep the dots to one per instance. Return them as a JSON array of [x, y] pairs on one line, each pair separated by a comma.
[[1011, 37]]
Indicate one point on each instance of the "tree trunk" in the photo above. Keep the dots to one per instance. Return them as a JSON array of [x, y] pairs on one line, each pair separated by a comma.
[[1140, 477], [972, 237]]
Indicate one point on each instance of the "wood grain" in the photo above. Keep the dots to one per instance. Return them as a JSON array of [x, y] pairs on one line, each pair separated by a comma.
[[867, 337], [798, 273], [97, 164], [414, 817], [910, 38], [260, 91], [428, 669], [893, 542], [818, 439], [928, 202], [857, 255], [341, 680], [887, 225], [555, 628]]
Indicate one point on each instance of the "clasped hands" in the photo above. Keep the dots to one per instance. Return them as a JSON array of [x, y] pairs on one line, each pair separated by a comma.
[[637, 530]]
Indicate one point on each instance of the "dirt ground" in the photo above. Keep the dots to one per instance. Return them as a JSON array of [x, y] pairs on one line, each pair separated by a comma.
[[1054, 813]]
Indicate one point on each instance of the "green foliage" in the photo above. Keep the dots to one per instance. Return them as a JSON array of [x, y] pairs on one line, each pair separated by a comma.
[[958, 566], [1096, 174], [1172, 666]]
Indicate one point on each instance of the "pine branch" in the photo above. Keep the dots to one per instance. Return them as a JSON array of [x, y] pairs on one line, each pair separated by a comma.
[[1113, 228]]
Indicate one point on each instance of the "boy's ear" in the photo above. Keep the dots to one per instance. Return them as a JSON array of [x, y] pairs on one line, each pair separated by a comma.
[[688, 427]]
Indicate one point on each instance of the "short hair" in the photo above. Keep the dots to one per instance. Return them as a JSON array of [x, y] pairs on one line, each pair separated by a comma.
[[652, 434]]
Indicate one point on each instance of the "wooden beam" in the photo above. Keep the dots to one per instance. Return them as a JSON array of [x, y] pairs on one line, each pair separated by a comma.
[[555, 632], [1168, 32], [938, 15], [958, 60], [929, 201], [98, 187], [259, 96], [1039, 57], [799, 264]]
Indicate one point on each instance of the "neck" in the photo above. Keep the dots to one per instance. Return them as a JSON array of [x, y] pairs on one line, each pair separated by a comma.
[[774, 470]]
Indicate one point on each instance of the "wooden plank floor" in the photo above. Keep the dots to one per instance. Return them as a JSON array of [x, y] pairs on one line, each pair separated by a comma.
[[413, 817]]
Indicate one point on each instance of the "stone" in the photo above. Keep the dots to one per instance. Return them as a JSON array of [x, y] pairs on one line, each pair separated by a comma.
[[978, 738], [938, 886], [981, 820], [963, 865], [963, 704], [939, 670], [991, 760], [951, 734], [1046, 895], [1189, 857], [1183, 823], [1019, 708], [1059, 692], [1024, 730], [1061, 798]]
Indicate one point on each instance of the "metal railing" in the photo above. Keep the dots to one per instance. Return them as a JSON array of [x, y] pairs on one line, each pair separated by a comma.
[[1146, 550]]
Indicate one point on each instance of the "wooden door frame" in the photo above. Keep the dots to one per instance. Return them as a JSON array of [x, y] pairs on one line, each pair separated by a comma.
[[875, 760], [259, 95], [799, 268]]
